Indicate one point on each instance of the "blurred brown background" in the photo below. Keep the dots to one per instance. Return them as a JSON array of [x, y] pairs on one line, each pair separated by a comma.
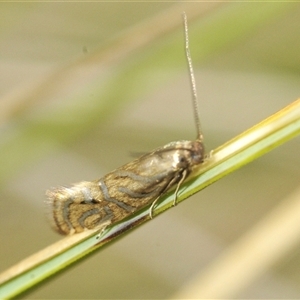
[[85, 84]]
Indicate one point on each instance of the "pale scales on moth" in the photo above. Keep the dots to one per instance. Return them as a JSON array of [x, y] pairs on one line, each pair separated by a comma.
[[141, 182]]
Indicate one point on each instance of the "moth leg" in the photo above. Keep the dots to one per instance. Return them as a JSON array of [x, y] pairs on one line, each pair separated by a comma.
[[183, 176], [152, 207]]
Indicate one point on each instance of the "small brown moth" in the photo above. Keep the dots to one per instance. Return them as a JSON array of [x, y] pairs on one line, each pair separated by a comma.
[[142, 182]]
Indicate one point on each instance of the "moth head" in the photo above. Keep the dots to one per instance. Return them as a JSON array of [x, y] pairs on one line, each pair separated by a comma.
[[185, 154], [189, 154]]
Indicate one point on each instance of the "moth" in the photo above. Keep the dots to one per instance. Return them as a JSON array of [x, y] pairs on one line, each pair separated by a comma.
[[139, 183]]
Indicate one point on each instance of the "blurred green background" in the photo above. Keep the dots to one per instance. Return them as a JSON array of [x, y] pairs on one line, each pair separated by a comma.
[[84, 85]]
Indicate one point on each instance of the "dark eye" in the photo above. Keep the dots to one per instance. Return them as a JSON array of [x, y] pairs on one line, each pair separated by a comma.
[[182, 159], [182, 162]]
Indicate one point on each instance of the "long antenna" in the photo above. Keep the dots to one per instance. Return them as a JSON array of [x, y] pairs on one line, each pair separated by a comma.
[[192, 79]]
